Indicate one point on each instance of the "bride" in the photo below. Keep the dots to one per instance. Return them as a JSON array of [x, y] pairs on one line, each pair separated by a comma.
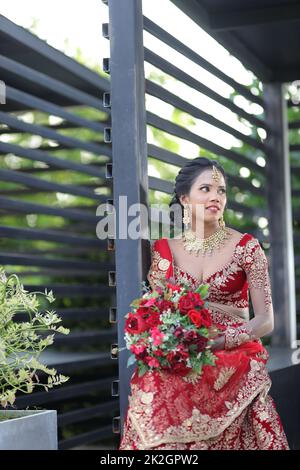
[[229, 407]]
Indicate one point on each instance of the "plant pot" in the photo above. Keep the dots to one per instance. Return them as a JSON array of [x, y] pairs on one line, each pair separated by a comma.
[[28, 430]]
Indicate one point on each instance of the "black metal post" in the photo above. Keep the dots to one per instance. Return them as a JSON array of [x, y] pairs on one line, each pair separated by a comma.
[[280, 218], [130, 172]]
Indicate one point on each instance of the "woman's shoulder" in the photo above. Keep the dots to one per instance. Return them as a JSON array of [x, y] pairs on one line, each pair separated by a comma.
[[244, 237], [160, 245]]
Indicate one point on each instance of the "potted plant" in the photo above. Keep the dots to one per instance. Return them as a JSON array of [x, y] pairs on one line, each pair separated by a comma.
[[21, 343]]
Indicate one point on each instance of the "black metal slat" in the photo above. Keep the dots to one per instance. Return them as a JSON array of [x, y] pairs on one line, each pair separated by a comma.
[[86, 337], [50, 236], [56, 251], [37, 183], [64, 263], [182, 76], [94, 362], [37, 129], [50, 83], [73, 290], [64, 393], [40, 50], [32, 102], [174, 43], [39, 156], [86, 313], [78, 274], [159, 92], [14, 205], [181, 132], [77, 416], [26, 191], [88, 437]]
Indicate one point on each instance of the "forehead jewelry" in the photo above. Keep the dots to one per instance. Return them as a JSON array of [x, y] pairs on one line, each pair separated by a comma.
[[216, 175]]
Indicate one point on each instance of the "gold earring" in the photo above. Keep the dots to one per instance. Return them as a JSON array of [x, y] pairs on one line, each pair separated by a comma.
[[186, 216], [222, 222]]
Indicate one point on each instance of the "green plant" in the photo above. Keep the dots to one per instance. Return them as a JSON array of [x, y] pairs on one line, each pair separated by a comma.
[[22, 342]]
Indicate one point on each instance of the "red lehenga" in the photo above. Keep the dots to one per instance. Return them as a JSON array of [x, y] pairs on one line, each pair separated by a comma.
[[229, 407]]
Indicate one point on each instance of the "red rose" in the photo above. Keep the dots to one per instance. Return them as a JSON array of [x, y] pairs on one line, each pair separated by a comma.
[[190, 335], [206, 318], [173, 287], [200, 317], [144, 312], [165, 305], [135, 324], [201, 343], [189, 301], [141, 356], [158, 353], [153, 319], [195, 317], [177, 361], [178, 332], [176, 356]]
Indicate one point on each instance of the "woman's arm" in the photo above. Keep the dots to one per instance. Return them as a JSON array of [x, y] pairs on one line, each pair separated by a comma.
[[159, 266], [255, 264]]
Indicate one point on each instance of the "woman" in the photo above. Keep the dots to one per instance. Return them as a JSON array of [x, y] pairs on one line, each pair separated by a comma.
[[229, 407]]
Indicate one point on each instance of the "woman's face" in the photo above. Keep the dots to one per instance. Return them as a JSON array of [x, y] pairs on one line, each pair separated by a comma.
[[206, 192]]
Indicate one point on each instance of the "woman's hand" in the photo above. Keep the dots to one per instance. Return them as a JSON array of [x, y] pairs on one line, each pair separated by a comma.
[[218, 343]]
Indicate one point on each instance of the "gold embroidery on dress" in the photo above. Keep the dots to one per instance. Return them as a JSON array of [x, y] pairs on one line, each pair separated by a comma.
[[256, 267], [273, 434], [192, 377], [198, 426], [158, 268], [225, 374]]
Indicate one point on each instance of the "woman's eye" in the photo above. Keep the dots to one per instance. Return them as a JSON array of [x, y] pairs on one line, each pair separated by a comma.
[[222, 189]]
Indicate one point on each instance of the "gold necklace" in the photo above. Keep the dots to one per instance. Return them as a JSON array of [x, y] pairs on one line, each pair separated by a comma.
[[192, 243]]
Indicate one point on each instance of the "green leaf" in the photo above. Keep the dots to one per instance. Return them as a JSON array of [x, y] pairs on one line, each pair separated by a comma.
[[142, 369], [197, 367], [135, 303], [209, 358], [131, 360], [203, 290]]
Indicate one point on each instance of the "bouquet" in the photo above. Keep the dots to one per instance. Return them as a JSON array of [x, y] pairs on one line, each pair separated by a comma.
[[170, 328]]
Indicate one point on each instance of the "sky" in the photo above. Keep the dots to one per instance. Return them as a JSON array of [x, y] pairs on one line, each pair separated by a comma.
[[70, 25]]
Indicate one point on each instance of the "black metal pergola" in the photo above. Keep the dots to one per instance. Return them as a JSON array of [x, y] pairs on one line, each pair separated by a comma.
[[265, 37]]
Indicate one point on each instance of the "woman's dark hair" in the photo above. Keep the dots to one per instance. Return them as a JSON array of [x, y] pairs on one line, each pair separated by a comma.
[[188, 174]]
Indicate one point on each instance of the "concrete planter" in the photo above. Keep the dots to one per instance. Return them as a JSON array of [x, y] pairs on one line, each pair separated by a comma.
[[28, 430]]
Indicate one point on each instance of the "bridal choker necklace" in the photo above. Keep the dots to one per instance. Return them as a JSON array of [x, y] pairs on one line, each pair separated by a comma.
[[192, 243]]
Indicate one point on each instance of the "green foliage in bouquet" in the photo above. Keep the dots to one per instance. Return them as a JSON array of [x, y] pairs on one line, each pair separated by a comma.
[[21, 342]]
